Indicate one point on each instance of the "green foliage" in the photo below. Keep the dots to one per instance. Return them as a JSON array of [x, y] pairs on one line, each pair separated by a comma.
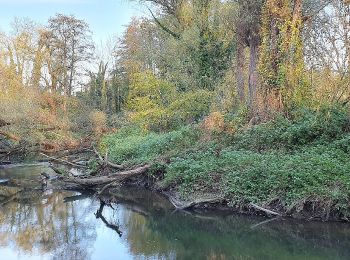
[[305, 127], [293, 160], [190, 107], [134, 145], [244, 175], [281, 64], [156, 104]]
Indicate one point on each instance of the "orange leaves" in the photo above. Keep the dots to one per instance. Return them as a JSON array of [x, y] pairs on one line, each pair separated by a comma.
[[214, 122]]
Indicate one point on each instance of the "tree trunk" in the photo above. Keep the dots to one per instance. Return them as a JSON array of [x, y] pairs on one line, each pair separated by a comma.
[[240, 56], [253, 73]]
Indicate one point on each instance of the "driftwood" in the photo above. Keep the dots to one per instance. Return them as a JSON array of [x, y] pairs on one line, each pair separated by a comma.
[[269, 212], [104, 161], [115, 177], [63, 161]]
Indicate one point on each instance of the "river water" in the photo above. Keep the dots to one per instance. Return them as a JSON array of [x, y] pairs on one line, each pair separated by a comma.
[[138, 224]]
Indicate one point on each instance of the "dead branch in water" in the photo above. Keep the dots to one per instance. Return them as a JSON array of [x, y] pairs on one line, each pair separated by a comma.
[[106, 187]]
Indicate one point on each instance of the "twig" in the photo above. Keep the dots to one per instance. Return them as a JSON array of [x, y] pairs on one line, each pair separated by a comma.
[[181, 206]]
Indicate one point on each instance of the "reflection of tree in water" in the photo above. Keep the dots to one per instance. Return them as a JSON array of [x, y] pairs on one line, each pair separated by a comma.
[[37, 222], [155, 232], [99, 215]]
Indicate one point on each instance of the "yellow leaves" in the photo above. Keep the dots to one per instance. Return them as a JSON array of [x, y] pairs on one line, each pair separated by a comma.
[[281, 62], [99, 121], [214, 122]]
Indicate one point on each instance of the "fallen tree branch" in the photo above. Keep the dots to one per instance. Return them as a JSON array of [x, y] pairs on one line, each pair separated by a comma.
[[105, 161], [103, 180], [106, 187], [270, 212], [63, 161]]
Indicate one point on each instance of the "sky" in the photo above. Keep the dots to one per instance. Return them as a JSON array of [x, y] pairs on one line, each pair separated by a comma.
[[107, 18]]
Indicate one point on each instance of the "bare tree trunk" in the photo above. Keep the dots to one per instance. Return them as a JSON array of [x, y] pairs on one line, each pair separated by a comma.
[[240, 56]]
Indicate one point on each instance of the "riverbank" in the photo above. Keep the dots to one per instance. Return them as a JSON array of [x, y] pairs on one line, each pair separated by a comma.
[[296, 167], [291, 167]]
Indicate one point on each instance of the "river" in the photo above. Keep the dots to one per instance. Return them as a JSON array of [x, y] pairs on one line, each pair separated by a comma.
[[139, 224]]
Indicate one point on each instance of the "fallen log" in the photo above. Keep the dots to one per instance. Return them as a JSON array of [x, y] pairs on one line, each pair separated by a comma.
[[115, 177]]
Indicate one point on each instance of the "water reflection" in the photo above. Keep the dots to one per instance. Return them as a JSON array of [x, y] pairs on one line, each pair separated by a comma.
[[136, 224]]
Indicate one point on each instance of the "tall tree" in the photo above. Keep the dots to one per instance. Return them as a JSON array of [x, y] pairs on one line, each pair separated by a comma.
[[247, 26], [71, 45], [282, 59]]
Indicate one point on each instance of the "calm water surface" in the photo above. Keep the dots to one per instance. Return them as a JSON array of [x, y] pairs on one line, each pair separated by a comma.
[[138, 224]]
